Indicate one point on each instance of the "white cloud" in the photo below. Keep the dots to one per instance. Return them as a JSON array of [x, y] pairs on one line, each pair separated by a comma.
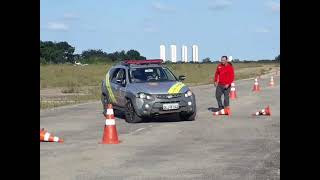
[[62, 23], [219, 4], [70, 16], [262, 30], [161, 7], [57, 26], [274, 6]]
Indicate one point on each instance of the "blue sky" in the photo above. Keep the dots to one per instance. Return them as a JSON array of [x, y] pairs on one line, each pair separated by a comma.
[[244, 29]]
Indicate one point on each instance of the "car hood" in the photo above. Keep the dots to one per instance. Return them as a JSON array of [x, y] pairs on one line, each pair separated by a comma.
[[170, 87]]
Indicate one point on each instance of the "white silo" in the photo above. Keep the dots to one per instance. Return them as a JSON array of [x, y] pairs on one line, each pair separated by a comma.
[[163, 52], [173, 53], [184, 54], [195, 55]]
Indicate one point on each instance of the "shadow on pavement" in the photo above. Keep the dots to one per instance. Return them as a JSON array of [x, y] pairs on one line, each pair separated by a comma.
[[158, 119], [213, 109]]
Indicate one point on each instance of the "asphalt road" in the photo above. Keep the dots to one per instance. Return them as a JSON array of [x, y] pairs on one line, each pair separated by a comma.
[[240, 146]]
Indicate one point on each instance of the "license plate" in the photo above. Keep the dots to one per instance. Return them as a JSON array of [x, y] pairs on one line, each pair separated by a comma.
[[170, 106]]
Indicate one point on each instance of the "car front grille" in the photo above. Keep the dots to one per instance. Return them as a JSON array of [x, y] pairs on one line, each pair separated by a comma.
[[168, 96]]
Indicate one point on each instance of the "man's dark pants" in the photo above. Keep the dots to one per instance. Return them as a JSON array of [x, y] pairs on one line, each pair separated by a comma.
[[220, 89]]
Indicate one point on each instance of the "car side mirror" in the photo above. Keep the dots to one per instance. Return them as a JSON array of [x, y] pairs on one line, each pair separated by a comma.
[[123, 83], [182, 77]]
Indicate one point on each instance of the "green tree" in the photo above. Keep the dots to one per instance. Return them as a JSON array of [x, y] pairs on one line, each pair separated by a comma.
[[168, 61], [206, 60], [91, 53], [122, 55], [62, 52], [94, 56], [277, 58], [67, 51], [112, 56], [133, 54], [51, 52]]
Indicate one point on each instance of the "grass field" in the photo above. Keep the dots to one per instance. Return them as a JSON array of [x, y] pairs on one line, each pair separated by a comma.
[[77, 84]]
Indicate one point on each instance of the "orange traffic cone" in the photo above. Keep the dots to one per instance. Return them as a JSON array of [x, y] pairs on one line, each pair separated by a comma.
[[225, 111], [47, 137], [233, 94], [256, 87], [110, 135], [266, 112], [271, 84]]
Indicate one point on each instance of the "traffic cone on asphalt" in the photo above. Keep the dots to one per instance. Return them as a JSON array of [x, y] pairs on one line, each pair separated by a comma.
[[110, 135], [225, 111], [47, 137], [264, 112], [233, 94], [271, 84], [256, 87]]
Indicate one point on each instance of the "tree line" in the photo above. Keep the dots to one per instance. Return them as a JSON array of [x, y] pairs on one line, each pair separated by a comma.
[[276, 59], [63, 52]]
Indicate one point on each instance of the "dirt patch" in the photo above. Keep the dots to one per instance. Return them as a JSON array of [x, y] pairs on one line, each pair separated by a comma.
[[54, 92], [59, 92], [263, 71]]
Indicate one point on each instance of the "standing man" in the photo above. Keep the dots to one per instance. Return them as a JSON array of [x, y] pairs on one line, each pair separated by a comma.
[[223, 78]]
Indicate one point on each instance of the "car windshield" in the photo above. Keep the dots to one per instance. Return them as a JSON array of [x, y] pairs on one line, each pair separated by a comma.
[[151, 74]]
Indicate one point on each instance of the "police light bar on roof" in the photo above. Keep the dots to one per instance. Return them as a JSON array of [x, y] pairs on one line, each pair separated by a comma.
[[148, 61]]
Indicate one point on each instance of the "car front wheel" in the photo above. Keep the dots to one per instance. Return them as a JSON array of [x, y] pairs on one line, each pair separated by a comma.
[[130, 114], [105, 101]]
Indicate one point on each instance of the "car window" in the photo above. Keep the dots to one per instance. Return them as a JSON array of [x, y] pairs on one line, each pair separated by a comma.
[[113, 74], [151, 74], [120, 75], [169, 74]]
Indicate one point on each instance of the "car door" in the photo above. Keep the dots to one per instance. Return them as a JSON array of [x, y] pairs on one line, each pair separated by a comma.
[[119, 86], [123, 88], [112, 86]]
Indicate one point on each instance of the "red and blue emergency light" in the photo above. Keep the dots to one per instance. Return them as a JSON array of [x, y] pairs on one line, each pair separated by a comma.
[[148, 61]]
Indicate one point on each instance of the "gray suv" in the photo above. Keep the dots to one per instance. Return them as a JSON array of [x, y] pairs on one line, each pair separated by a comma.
[[146, 88]]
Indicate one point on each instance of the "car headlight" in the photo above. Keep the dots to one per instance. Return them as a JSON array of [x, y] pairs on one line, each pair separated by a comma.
[[188, 94], [144, 96]]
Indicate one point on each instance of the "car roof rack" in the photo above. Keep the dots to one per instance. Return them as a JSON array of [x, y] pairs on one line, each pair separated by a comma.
[[142, 62]]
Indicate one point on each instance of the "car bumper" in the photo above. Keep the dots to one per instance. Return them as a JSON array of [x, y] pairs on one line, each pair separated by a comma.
[[147, 108]]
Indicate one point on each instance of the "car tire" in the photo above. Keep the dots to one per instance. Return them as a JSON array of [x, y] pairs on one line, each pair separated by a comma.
[[104, 97], [130, 114], [105, 101]]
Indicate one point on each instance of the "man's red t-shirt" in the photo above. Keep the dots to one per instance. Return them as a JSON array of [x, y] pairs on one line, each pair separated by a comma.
[[224, 74]]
